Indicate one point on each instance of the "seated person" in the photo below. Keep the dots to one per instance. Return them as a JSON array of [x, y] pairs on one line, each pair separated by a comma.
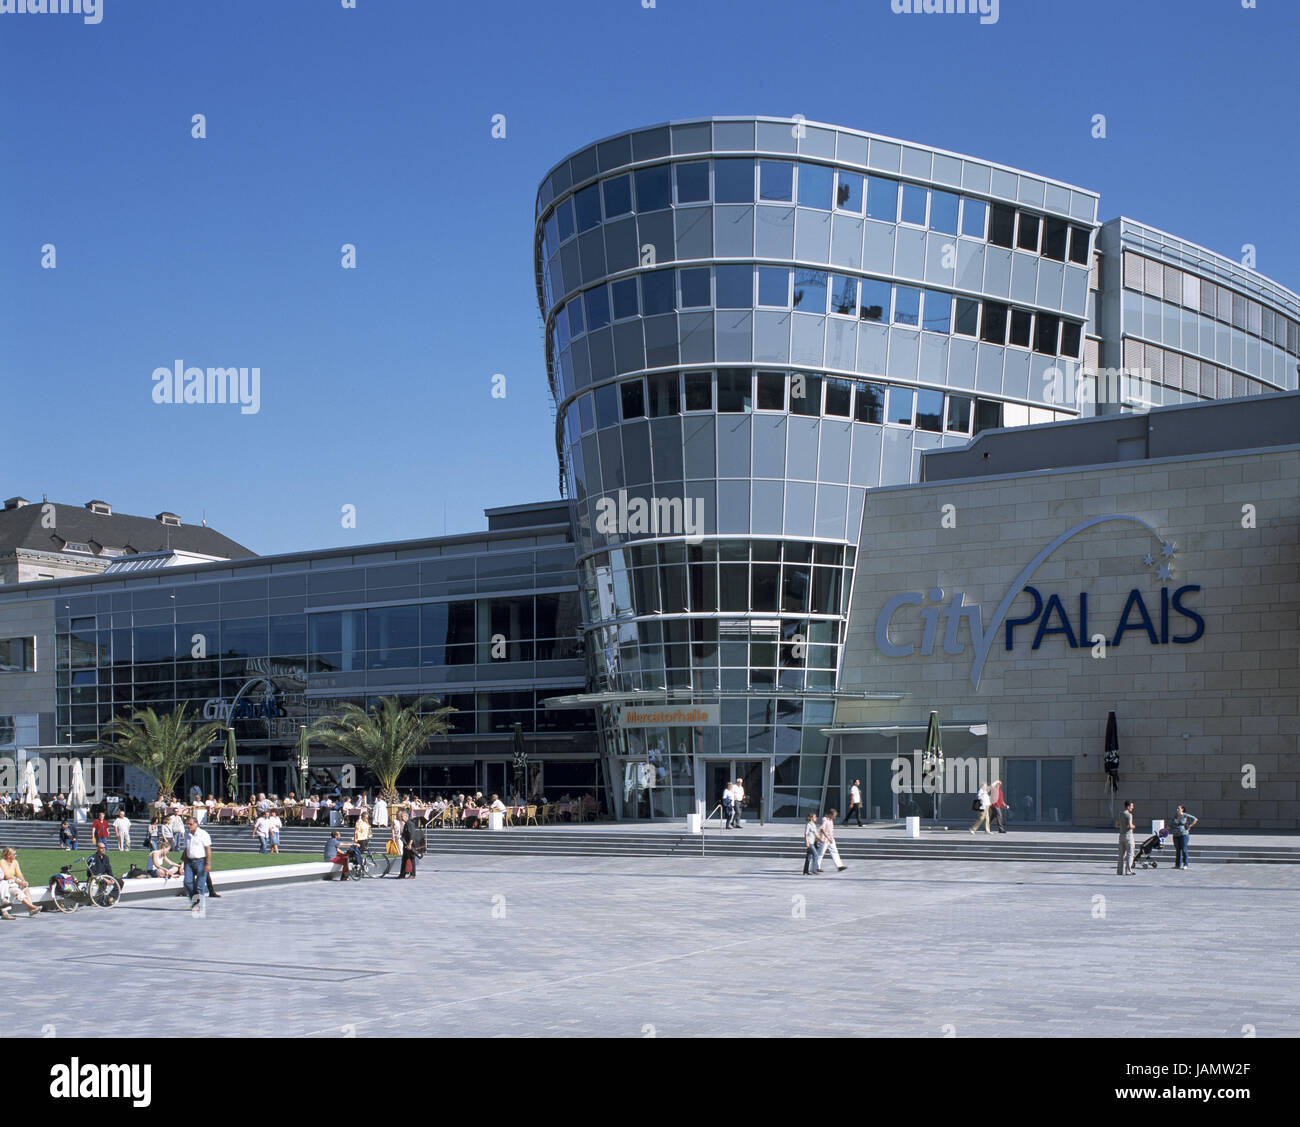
[[161, 865], [99, 863], [335, 854], [496, 804], [67, 836], [13, 885]]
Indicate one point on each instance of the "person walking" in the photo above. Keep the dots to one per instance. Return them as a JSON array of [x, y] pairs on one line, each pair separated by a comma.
[[738, 800], [728, 805], [262, 831], [122, 829], [998, 805], [1182, 824], [982, 802], [412, 846], [827, 844], [273, 825], [855, 802], [198, 862], [1124, 823], [811, 836], [99, 828]]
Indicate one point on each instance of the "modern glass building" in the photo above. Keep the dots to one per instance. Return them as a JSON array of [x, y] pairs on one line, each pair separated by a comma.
[[751, 322]]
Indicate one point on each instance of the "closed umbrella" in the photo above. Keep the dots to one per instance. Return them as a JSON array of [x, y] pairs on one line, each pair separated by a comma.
[[30, 794], [231, 791], [521, 763], [77, 792], [1112, 758], [932, 761], [303, 761]]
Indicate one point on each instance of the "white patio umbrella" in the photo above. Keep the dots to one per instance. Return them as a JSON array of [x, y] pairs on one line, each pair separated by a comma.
[[30, 793], [77, 792]]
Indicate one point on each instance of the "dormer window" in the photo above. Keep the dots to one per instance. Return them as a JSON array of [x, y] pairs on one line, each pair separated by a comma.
[[75, 546]]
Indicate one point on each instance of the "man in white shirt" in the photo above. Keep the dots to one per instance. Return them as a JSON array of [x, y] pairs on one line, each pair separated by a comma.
[[273, 825], [381, 812], [122, 828], [855, 802], [262, 831], [738, 797], [198, 862], [177, 827], [728, 805]]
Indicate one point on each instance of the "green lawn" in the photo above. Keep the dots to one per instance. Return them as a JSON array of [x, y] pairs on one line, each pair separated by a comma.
[[41, 864]]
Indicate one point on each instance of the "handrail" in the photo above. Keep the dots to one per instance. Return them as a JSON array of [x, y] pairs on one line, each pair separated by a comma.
[[704, 824]]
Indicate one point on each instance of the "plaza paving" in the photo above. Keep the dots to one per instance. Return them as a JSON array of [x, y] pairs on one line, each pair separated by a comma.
[[681, 947]]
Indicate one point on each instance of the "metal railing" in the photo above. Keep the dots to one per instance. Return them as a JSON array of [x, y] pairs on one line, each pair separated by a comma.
[[704, 825]]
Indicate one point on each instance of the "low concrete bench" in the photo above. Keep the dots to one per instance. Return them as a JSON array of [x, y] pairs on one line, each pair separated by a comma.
[[144, 888]]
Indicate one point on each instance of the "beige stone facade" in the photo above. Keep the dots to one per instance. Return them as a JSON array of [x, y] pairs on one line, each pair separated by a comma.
[[1199, 720]]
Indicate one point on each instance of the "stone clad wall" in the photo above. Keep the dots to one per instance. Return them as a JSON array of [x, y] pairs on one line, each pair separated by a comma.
[[1191, 716]]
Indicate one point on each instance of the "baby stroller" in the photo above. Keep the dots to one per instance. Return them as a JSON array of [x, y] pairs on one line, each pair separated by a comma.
[[1142, 858]]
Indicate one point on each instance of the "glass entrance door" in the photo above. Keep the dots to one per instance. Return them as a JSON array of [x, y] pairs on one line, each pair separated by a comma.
[[875, 776], [752, 774]]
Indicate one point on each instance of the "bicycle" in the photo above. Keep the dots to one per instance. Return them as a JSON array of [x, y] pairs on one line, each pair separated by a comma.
[[370, 865], [69, 892]]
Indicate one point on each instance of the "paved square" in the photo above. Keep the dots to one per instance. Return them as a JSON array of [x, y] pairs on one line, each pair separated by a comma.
[[682, 947]]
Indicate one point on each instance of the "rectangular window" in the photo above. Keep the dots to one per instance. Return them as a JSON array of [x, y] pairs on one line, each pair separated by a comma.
[[606, 405], [973, 216], [564, 219], [1022, 323], [774, 287], [1071, 336], [695, 287], [994, 328], [914, 201], [658, 292], [882, 199], [618, 196], [1027, 234], [938, 312], [776, 181], [907, 306], [968, 317], [988, 414], [1055, 235], [665, 396], [18, 655], [735, 287], [959, 414], [654, 188], [699, 391], [815, 181], [810, 290], [844, 295], [943, 212], [805, 394], [771, 391], [839, 397], [1046, 333], [597, 303], [625, 300], [873, 302], [587, 204], [869, 403], [900, 405], [733, 180], [735, 390], [577, 323], [693, 182], [848, 192], [1002, 225], [633, 393], [929, 410], [1079, 245], [586, 414]]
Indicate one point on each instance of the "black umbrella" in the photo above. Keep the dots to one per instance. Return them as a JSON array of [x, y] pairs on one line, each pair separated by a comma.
[[932, 762], [1112, 755]]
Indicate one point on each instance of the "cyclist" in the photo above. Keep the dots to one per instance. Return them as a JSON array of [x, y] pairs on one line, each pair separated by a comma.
[[100, 864]]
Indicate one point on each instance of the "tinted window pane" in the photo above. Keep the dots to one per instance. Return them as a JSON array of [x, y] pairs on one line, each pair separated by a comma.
[[586, 414], [1079, 245], [1027, 234], [564, 219], [900, 405], [664, 395], [1021, 324], [1045, 334], [907, 306], [606, 405], [968, 316], [1055, 233], [657, 292], [943, 212], [873, 302], [973, 213], [771, 391], [654, 188], [959, 413], [1002, 225], [695, 287], [844, 295], [734, 393], [810, 290], [577, 322], [633, 394], [618, 196], [625, 303], [815, 186], [848, 192], [994, 329], [882, 198], [805, 394], [988, 414], [733, 181], [839, 397], [914, 204], [1071, 335], [776, 180], [929, 410], [774, 286], [938, 312], [693, 182], [869, 403], [597, 302], [587, 203], [699, 391], [735, 287]]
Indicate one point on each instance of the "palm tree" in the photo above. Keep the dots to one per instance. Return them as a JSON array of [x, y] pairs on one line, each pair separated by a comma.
[[384, 739], [160, 746]]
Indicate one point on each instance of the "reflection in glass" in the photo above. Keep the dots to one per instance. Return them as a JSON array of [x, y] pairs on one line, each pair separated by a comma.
[[815, 181], [693, 182], [776, 181]]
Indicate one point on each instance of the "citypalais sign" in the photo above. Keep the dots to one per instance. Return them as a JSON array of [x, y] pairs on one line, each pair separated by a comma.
[[1171, 621]]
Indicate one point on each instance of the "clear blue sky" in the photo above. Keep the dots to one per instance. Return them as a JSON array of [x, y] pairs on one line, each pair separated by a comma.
[[372, 126]]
